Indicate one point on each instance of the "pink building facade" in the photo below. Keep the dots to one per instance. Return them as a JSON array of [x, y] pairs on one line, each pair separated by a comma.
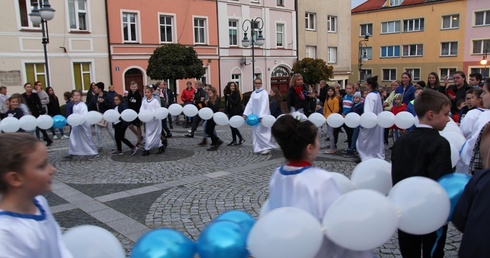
[[477, 37], [136, 28]]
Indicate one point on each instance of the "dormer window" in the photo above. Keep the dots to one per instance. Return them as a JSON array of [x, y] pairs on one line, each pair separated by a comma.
[[391, 3]]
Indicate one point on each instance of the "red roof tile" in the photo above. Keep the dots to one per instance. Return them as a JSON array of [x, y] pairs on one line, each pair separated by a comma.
[[371, 5]]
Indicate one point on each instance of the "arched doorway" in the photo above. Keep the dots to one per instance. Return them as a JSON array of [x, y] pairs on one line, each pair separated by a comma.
[[280, 79], [133, 74]]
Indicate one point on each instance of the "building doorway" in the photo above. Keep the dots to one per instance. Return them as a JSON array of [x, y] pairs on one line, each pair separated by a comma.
[[280, 79], [136, 75]]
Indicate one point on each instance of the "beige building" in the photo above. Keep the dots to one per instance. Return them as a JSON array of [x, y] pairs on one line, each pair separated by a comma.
[[324, 32], [77, 49]]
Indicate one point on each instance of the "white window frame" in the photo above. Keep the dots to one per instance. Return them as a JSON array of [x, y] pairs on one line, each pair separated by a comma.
[[36, 74], [366, 75], [332, 55], [332, 23], [486, 16], [310, 19], [310, 51], [447, 72], [235, 29], [417, 50], [280, 3], [481, 50], [368, 51], [28, 11], [387, 48], [394, 3], [92, 71], [451, 18], [280, 35], [172, 27], [204, 29], [414, 25], [237, 79], [137, 24], [366, 26], [388, 25], [450, 45], [390, 79], [413, 71], [77, 12]]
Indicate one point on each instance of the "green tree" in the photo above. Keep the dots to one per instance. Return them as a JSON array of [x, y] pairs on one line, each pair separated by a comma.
[[174, 62], [313, 70]]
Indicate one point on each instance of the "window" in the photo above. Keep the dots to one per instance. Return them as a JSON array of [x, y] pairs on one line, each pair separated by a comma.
[[82, 75], [280, 35], [310, 21], [233, 32], [35, 72], [366, 29], [415, 72], [390, 51], [483, 71], [390, 27], [413, 25], [280, 2], [332, 55], [443, 72], [450, 21], [413, 50], [166, 28], [449, 48], [389, 74], [129, 21], [199, 30], [332, 23], [367, 53], [236, 78], [311, 51], [394, 2], [25, 7], [479, 46], [204, 78], [482, 18], [365, 73], [77, 12]]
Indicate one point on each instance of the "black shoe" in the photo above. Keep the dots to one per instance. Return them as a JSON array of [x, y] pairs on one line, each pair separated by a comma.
[[189, 135], [171, 127], [233, 143], [169, 135], [213, 148], [49, 142], [218, 143], [161, 150], [145, 153], [241, 141]]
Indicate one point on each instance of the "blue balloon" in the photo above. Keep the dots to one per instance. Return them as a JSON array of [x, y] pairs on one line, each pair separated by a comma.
[[252, 120], [163, 243], [454, 185], [59, 121], [222, 239], [242, 218]]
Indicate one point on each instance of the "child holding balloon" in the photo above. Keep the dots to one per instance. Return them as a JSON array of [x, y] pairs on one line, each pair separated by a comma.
[[307, 187], [27, 227], [81, 142]]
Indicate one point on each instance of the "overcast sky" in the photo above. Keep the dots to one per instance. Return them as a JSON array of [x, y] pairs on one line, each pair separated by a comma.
[[355, 3]]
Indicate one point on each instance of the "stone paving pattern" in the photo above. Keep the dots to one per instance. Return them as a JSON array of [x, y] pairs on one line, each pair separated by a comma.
[[184, 189]]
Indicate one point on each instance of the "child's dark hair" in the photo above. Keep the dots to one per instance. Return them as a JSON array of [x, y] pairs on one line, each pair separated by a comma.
[[293, 136], [15, 147], [373, 81], [67, 95], [119, 97], [460, 102], [430, 100]]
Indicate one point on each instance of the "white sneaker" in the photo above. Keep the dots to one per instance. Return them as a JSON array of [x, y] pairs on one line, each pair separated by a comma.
[[265, 152], [65, 137], [55, 137]]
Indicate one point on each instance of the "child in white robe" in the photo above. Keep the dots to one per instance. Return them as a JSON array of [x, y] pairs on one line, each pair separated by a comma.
[[299, 184], [81, 142], [27, 227], [153, 128]]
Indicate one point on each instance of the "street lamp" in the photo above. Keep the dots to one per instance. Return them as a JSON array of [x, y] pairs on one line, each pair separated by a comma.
[[484, 63], [42, 16], [362, 54], [253, 25]]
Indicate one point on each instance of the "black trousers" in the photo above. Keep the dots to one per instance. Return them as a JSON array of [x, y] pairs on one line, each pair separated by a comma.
[[426, 246], [210, 125], [195, 123], [44, 133], [165, 127], [235, 133], [119, 132]]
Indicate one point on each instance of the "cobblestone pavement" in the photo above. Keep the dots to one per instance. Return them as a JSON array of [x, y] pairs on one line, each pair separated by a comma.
[[184, 189]]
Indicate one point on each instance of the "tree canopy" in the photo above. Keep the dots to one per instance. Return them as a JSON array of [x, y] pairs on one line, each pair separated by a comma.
[[174, 62], [313, 70]]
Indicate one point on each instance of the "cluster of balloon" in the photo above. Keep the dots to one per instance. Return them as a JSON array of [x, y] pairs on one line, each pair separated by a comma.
[[92, 241]]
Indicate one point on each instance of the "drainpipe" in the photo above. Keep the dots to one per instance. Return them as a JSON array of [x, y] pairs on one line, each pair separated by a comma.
[[109, 43]]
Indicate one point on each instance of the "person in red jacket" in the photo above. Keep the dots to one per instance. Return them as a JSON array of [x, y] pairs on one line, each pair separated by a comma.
[[398, 107], [187, 97]]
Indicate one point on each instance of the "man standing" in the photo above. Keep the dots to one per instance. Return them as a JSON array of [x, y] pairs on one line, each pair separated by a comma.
[[43, 96], [35, 107], [187, 97], [101, 103], [198, 100], [457, 91], [322, 95], [163, 93], [3, 101]]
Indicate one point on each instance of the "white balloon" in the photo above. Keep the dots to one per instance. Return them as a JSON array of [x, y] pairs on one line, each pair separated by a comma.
[[317, 119], [422, 204], [190, 110], [456, 139], [286, 232], [206, 113], [369, 120], [452, 127], [268, 120], [93, 117], [145, 116], [404, 120], [44, 122], [175, 109], [161, 113], [454, 155], [129, 115], [220, 118], [299, 115], [416, 121], [264, 209], [335, 120], [92, 241], [374, 174], [10, 125], [352, 120], [28, 123], [75, 119], [111, 115], [236, 121], [344, 184], [360, 220], [386, 119]]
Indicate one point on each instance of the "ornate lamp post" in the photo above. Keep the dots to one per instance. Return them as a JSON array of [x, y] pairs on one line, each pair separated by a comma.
[[253, 25], [42, 16], [362, 54]]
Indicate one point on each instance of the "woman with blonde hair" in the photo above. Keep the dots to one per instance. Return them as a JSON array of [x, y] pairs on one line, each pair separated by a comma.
[[297, 96]]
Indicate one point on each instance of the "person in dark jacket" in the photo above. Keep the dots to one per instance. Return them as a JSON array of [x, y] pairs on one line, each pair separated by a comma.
[[213, 103], [198, 100], [34, 104], [101, 102], [298, 98], [53, 110], [120, 127], [275, 103], [134, 102], [233, 107]]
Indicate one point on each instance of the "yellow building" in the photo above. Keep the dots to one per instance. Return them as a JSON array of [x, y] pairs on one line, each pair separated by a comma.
[[418, 36]]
